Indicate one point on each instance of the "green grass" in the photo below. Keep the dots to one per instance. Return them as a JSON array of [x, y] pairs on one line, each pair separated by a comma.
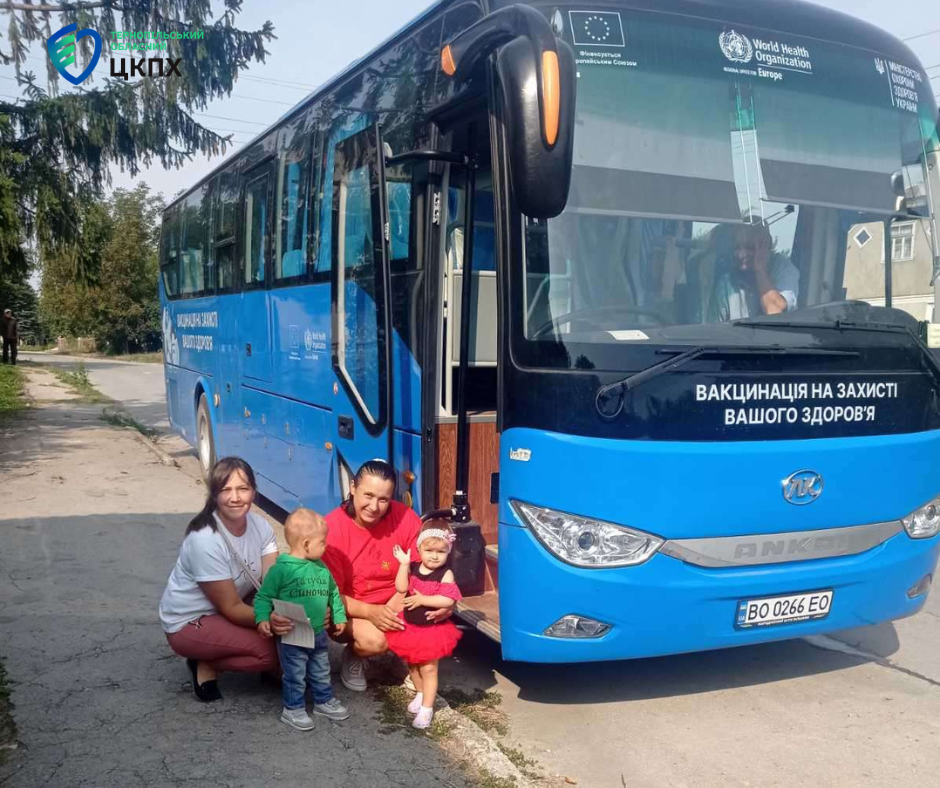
[[7, 726], [486, 780], [478, 705], [11, 389], [117, 419], [393, 713], [519, 760], [78, 380]]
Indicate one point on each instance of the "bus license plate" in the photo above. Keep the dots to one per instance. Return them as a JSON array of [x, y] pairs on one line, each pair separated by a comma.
[[783, 609]]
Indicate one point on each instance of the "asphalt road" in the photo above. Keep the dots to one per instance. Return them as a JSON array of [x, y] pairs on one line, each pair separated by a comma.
[[796, 713], [861, 708], [91, 525], [139, 387]]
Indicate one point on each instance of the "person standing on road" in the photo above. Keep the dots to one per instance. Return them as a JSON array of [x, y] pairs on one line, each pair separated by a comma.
[[360, 555], [206, 610], [429, 584], [10, 329], [300, 577]]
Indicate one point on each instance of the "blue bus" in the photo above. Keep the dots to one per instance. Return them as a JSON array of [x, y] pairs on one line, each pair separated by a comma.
[[638, 294]]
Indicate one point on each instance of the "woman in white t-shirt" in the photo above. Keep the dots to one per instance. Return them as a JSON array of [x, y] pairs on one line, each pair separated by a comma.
[[226, 552]]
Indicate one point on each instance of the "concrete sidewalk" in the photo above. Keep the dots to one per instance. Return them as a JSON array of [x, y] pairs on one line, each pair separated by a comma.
[[91, 525]]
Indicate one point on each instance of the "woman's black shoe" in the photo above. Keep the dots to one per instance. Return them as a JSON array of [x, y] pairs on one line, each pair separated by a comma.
[[206, 692], [269, 679]]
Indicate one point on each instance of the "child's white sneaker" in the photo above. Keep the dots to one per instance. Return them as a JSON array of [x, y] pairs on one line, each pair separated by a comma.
[[423, 719], [298, 718], [415, 706], [332, 709]]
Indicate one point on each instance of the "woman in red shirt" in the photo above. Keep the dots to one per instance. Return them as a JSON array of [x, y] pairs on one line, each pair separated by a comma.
[[363, 533]]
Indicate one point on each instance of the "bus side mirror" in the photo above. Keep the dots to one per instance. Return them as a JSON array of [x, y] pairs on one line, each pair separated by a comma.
[[537, 81]]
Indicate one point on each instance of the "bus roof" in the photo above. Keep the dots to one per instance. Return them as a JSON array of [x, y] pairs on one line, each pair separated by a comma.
[[334, 81], [786, 16]]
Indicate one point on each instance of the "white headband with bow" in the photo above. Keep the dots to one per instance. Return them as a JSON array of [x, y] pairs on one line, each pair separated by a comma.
[[436, 533]]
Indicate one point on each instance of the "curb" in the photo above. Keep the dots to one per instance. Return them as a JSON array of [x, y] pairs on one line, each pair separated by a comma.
[[164, 458], [468, 741]]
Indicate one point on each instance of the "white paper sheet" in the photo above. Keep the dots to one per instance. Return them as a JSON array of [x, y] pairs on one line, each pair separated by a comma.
[[302, 634]]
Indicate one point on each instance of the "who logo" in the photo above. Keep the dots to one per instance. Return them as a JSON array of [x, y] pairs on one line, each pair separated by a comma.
[[61, 46]]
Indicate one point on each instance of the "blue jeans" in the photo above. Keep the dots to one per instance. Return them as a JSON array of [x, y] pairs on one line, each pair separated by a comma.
[[310, 664]]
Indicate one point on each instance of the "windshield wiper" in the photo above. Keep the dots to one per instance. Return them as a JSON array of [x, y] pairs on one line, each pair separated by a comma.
[[631, 382], [851, 325]]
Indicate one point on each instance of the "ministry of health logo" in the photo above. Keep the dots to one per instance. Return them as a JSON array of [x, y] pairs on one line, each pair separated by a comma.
[[736, 46], [61, 46]]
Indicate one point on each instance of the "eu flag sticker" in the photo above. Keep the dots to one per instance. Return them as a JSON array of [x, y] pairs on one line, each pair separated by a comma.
[[597, 28]]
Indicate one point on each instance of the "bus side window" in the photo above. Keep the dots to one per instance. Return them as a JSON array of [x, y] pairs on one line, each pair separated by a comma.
[[293, 207], [360, 349], [192, 237], [224, 232], [169, 257], [256, 226]]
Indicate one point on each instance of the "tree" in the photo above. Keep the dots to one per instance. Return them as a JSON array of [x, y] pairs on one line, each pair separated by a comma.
[[127, 309], [19, 296], [120, 305], [56, 150]]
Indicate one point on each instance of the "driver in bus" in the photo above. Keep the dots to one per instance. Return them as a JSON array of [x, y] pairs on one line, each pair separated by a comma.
[[751, 277]]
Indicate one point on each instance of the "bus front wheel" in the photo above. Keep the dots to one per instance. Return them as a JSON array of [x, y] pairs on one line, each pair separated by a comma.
[[205, 441]]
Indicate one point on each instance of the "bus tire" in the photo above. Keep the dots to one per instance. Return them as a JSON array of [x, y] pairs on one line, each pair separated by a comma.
[[205, 440]]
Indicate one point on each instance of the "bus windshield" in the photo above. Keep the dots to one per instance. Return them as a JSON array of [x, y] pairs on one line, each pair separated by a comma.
[[726, 174]]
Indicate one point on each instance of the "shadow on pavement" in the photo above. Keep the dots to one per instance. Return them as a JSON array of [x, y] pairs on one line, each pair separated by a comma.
[[101, 700], [477, 660]]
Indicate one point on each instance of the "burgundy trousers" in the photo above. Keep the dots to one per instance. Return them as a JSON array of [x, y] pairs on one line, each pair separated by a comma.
[[230, 647]]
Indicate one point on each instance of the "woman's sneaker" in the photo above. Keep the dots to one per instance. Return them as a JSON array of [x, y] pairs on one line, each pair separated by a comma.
[[423, 718], [353, 671], [298, 718], [332, 709]]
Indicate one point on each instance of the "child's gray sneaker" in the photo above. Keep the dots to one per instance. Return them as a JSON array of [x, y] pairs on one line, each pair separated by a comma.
[[332, 709], [353, 671], [298, 718]]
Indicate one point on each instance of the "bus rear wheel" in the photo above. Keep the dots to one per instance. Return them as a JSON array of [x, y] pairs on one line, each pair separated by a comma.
[[205, 440]]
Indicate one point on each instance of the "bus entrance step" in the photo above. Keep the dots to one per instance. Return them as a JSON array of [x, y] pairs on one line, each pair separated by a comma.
[[482, 613], [491, 557]]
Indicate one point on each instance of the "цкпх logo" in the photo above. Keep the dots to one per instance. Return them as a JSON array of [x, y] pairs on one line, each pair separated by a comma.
[[61, 46]]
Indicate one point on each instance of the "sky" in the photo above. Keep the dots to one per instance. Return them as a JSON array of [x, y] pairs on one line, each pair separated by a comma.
[[319, 38]]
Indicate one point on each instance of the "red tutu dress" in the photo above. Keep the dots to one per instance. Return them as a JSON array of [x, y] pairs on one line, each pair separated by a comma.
[[422, 641]]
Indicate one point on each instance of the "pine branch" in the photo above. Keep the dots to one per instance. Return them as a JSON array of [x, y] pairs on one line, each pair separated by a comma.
[[58, 8]]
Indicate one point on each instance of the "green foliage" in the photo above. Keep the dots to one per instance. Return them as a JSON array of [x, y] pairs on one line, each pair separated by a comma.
[[57, 150], [11, 393], [478, 705], [17, 294], [118, 419], [78, 380], [7, 725], [112, 293]]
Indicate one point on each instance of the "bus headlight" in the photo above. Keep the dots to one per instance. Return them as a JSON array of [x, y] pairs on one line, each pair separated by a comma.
[[584, 542], [924, 522]]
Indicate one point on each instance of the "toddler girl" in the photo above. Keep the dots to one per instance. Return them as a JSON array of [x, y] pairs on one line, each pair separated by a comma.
[[429, 585]]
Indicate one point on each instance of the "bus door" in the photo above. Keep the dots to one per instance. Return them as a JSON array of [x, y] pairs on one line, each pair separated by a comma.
[[254, 324], [475, 256], [360, 304]]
